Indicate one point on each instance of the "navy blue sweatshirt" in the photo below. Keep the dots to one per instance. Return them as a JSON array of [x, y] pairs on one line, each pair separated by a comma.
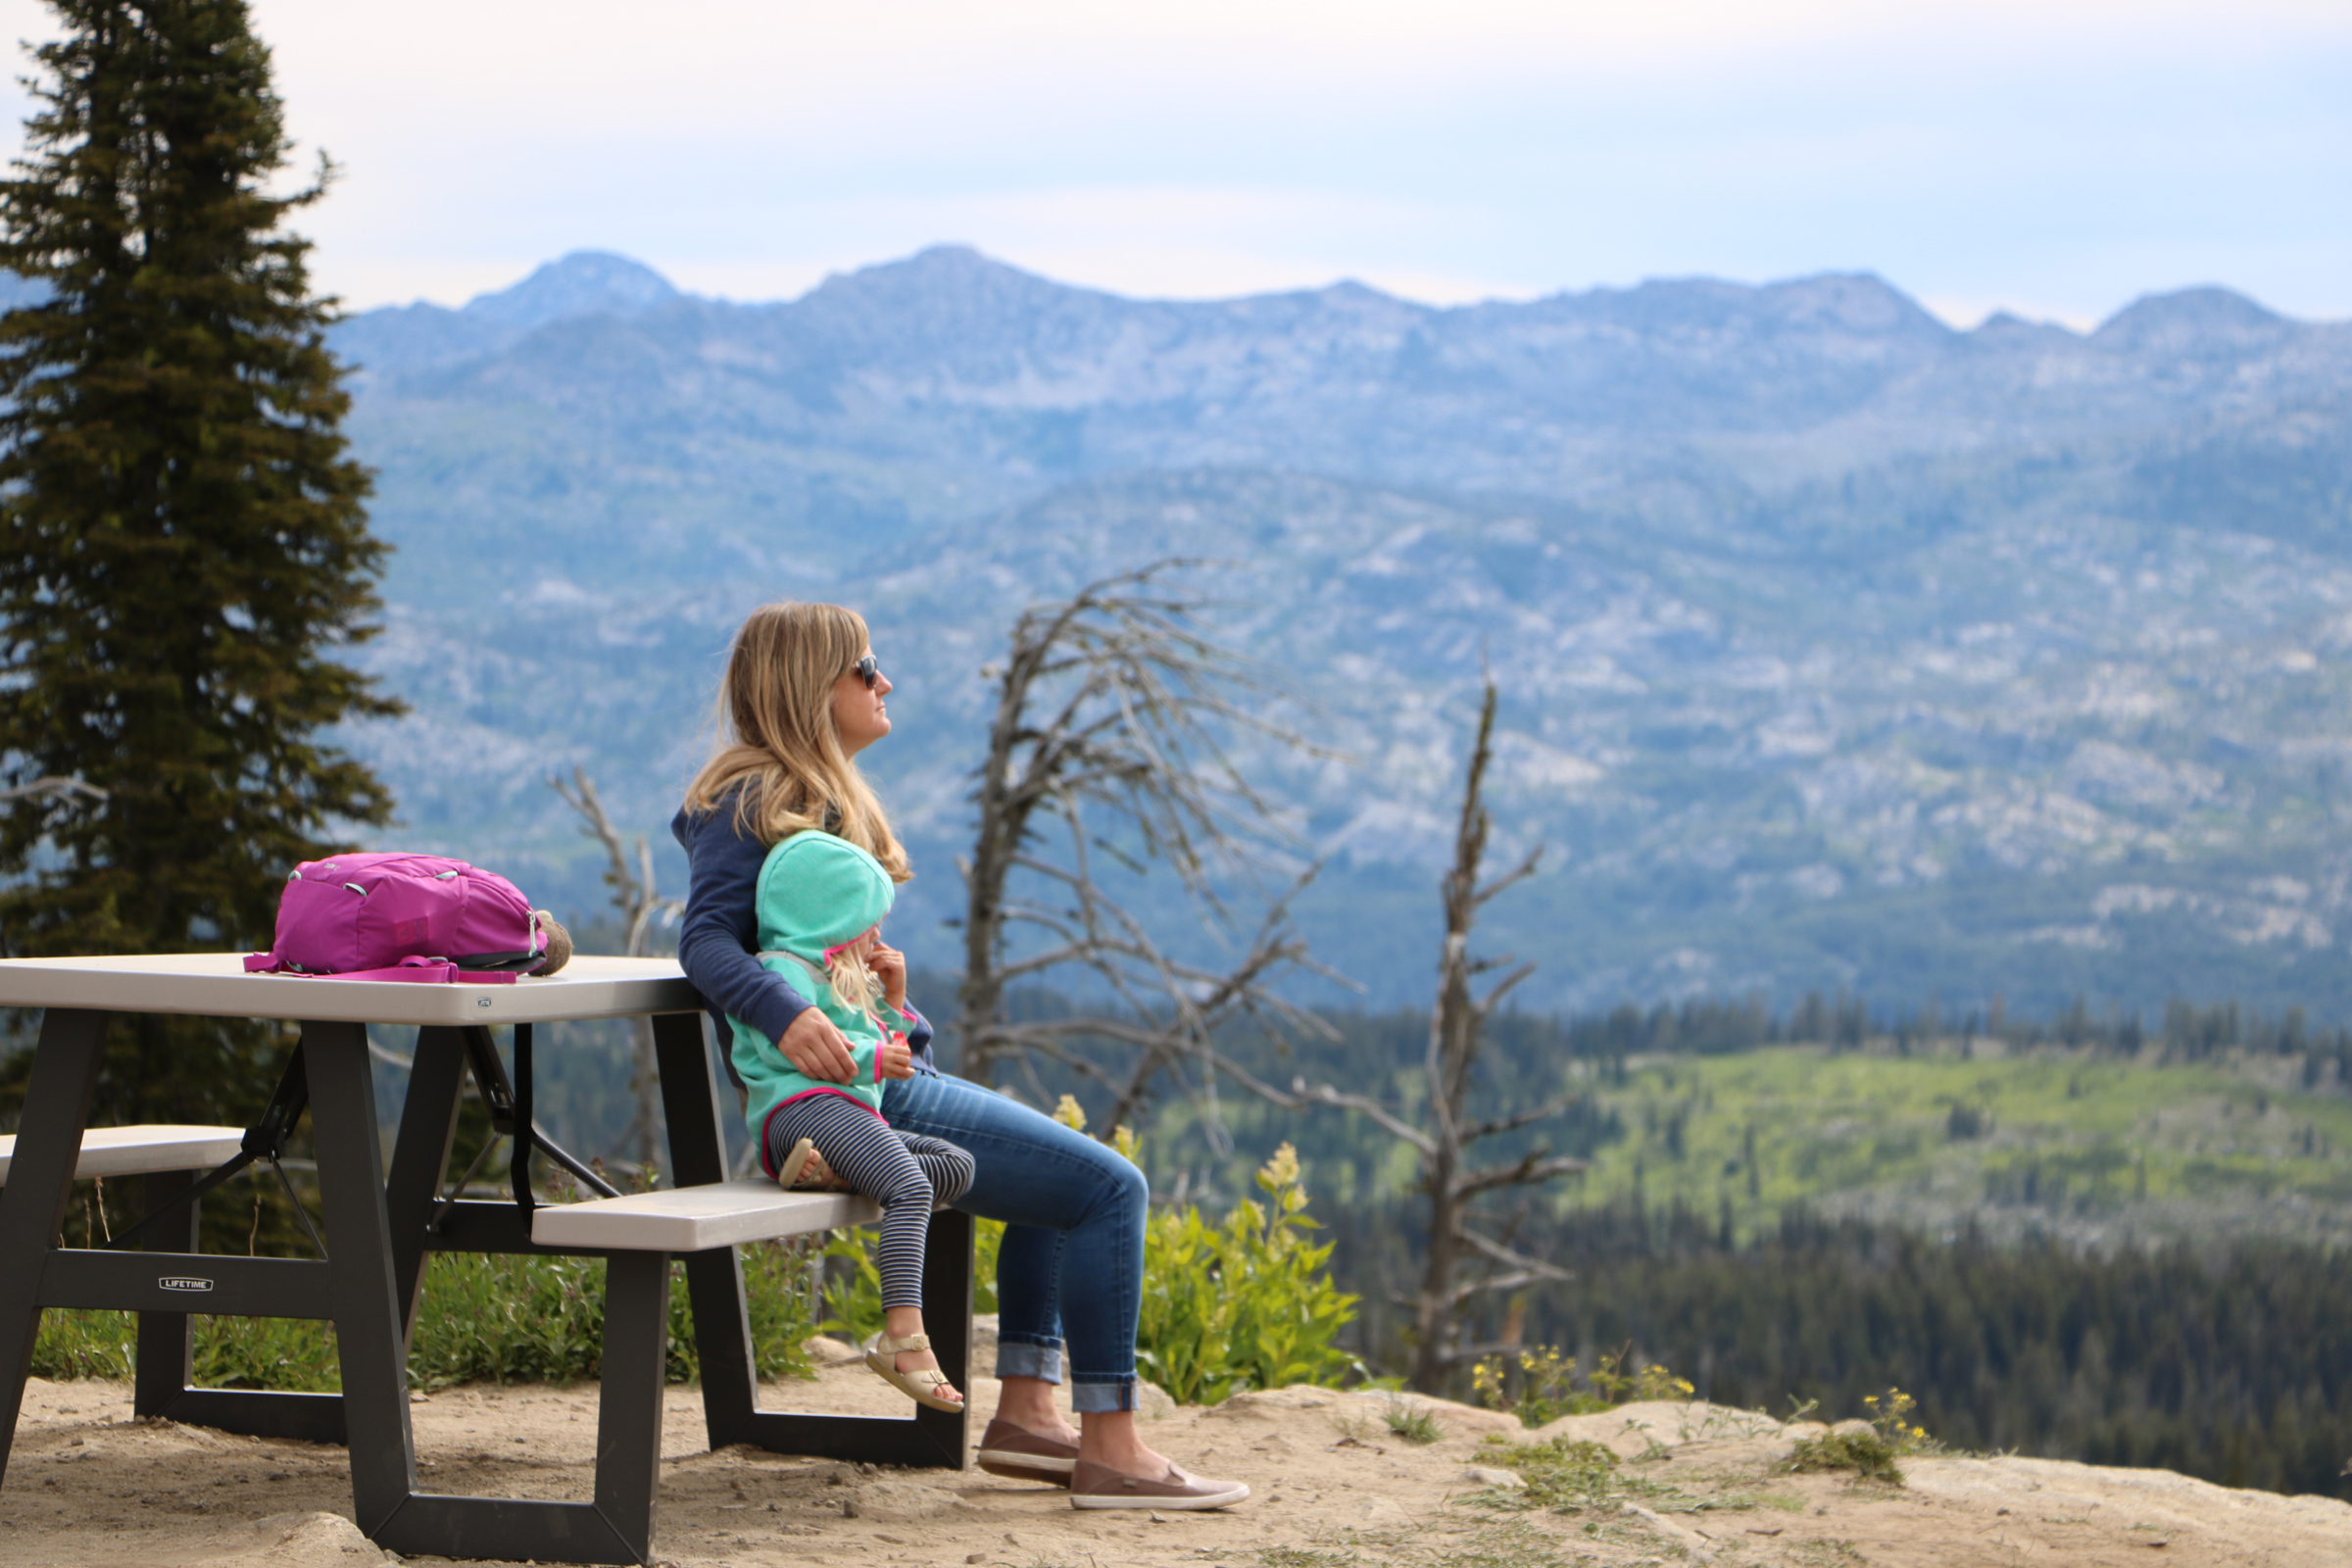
[[719, 943]]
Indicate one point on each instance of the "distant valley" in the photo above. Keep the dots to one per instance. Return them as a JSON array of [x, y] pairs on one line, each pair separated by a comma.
[[1839, 647]]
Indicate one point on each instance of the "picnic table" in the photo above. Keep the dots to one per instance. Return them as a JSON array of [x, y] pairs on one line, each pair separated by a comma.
[[380, 1224]]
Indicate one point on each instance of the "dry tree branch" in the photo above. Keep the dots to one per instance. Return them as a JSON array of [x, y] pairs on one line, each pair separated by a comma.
[[1510, 1259], [633, 895], [1107, 748], [1441, 1131], [1519, 1118], [58, 786]]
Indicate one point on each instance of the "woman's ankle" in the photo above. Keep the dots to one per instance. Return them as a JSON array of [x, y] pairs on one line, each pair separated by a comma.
[[1028, 1404], [1110, 1438]]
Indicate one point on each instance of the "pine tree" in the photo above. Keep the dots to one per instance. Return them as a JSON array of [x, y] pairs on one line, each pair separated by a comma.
[[184, 542]]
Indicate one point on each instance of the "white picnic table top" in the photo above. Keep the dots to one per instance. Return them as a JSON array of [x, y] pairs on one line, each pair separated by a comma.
[[215, 985]]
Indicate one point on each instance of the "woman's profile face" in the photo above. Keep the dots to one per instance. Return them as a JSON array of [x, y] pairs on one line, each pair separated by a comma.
[[860, 716]]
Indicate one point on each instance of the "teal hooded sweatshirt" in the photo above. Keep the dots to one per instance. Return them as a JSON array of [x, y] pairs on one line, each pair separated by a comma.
[[814, 892]]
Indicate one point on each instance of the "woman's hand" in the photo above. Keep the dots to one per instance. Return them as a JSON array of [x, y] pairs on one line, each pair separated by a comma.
[[889, 968], [818, 1048], [893, 1057]]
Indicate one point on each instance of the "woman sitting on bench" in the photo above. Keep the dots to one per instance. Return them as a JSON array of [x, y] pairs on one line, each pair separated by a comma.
[[803, 696]]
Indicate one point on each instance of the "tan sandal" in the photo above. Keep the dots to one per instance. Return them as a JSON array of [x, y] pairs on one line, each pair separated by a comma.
[[917, 1384], [806, 1172]]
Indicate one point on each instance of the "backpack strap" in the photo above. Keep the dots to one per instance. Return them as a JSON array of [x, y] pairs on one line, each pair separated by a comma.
[[429, 970], [441, 971]]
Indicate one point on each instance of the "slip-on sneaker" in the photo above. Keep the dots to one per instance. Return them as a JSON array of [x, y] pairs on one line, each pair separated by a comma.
[[1021, 1454], [1098, 1486]]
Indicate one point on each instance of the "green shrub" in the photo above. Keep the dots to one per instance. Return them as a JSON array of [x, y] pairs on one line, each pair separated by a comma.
[[1890, 1413], [1870, 1455], [266, 1352], [87, 1345], [231, 1352], [1542, 1387], [1249, 1304]]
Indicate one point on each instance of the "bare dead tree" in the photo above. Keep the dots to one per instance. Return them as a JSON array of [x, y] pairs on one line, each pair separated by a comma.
[[1109, 746], [640, 906], [1445, 1135]]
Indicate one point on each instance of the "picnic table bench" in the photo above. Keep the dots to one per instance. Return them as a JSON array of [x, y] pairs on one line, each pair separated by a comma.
[[142, 1151], [381, 1224]]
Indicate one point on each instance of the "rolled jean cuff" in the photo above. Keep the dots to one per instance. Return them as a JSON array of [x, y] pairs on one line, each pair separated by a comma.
[[1099, 1396], [1019, 1357]]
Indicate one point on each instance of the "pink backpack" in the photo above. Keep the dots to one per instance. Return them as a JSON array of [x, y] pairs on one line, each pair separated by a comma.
[[403, 917]]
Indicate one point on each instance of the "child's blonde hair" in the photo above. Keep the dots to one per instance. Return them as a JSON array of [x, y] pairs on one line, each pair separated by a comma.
[[855, 984], [776, 712]]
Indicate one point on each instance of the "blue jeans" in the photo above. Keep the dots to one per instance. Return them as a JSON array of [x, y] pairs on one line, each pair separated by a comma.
[[1072, 1266]]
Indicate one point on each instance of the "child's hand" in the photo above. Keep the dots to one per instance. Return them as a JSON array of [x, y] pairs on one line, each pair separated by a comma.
[[894, 1059], [889, 968]]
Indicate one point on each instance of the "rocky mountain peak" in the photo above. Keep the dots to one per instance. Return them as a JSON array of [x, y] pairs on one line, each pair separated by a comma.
[[941, 278], [2190, 320], [582, 283]]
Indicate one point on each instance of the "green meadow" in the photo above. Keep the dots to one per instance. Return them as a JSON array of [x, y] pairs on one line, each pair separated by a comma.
[[2067, 1143], [2218, 1125]]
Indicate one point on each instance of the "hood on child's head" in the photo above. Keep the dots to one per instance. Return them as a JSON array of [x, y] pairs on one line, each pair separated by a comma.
[[819, 892]]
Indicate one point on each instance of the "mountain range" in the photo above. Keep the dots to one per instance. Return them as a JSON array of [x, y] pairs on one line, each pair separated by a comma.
[[1839, 647]]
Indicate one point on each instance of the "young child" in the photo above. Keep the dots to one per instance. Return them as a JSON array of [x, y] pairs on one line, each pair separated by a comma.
[[820, 903]]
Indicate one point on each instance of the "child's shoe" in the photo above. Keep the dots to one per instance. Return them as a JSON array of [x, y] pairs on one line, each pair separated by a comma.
[[922, 1385], [806, 1172]]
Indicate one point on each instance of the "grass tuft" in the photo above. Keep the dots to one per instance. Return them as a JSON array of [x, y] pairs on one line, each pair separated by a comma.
[[1867, 1453], [1411, 1422]]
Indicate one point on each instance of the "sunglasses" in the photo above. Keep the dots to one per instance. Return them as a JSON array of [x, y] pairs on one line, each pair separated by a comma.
[[867, 671]]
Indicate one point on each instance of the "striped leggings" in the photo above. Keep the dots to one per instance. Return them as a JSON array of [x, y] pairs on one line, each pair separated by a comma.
[[905, 1172]]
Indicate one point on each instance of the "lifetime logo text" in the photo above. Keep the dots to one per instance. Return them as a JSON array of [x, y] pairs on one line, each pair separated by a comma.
[[183, 1282]]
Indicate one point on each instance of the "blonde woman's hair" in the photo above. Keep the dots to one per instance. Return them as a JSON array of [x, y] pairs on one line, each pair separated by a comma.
[[779, 750]]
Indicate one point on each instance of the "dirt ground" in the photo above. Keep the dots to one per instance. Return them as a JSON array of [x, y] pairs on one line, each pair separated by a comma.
[[88, 1487]]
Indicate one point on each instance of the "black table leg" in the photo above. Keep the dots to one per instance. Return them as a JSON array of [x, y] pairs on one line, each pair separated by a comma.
[[166, 1339], [428, 1122], [629, 1415], [948, 1319], [697, 1156], [358, 1239], [41, 1183]]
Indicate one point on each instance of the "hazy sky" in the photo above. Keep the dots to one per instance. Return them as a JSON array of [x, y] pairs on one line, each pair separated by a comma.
[[2058, 158]]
